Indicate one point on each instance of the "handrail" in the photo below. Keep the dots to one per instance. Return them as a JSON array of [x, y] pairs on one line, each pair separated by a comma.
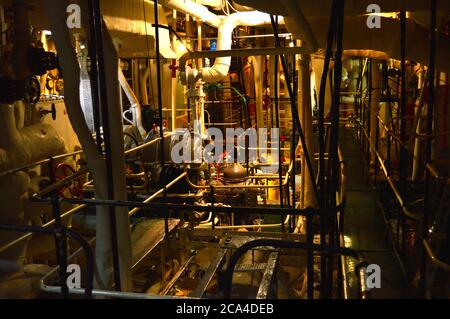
[[46, 225], [41, 162], [391, 183], [435, 260], [228, 276], [97, 292], [79, 207], [60, 231], [145, 145], [156, 194], [435, 174], [343, 182], [61, 156]]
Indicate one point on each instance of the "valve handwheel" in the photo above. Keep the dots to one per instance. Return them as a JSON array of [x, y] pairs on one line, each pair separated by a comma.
[[73, 189]]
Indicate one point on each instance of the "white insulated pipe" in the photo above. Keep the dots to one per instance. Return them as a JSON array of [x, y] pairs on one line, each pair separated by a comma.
[[194, 9], [222, 65], [135, 105]]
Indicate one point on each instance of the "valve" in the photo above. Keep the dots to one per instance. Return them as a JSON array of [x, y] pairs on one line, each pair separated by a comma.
[[52, 111], [74, 188], [174, 67]]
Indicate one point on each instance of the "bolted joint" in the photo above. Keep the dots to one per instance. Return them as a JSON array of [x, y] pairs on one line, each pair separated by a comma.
[[190, 76]]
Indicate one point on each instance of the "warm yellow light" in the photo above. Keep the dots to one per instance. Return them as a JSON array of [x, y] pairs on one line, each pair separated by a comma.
[[181, 47]]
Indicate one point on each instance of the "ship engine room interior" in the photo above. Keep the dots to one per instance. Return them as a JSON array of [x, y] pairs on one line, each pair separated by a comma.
[[224, 149]]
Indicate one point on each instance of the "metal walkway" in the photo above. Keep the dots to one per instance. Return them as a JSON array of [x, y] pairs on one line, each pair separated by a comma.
[[365, 226]]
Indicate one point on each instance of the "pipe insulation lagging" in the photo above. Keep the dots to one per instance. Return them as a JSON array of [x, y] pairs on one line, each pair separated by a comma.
[[23, 146], [222, 65], [194, 9], [135, 105]]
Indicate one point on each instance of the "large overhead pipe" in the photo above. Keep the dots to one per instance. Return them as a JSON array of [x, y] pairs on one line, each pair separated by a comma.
[[222, 64], [306, 33], [196, 10]]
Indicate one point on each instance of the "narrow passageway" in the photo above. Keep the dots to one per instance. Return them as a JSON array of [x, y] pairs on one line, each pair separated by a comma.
[[365, 226]]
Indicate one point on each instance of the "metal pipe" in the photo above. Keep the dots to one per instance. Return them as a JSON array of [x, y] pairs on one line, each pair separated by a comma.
[[46, 225], [286, 221], [198, 11], [435, 260], [306, 32], [159, 192], [334, 138], [323, 82], [428, 159], [277, 116], [241, 53], [187, 207], [391, 183], [158, 80]]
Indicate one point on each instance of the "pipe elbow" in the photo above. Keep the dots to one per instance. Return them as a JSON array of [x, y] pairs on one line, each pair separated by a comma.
[[215, 73]]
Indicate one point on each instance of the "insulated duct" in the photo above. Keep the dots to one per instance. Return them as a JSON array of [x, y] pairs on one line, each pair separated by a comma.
[[135, 105], [222, 64], [194, 9]]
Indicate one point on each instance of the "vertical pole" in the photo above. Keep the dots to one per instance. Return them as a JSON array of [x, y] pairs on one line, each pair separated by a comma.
[[322, 89], [174, 79], [431, 100], [293, 147], [334, 136], [403, 160], [361, 102], [106, 137], [322, 144], [61, 246], [388, 136], [310, 256], [158, 80], [160, 108], [93, 72], [277, 115], [369, 104]]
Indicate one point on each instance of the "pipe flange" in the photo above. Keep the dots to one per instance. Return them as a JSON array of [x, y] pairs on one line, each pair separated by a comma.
[[189, 77]]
